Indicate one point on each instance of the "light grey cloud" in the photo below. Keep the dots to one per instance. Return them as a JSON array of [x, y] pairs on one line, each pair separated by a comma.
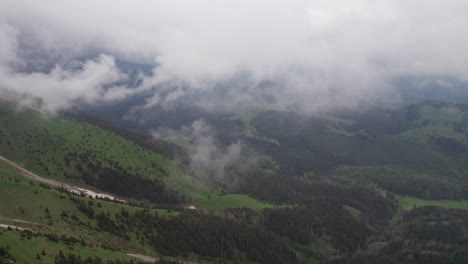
[[206, 153], [60, 88], [318, 53]]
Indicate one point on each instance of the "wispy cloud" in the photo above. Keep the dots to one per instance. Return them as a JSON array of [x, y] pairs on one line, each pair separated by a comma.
[[206, 153]]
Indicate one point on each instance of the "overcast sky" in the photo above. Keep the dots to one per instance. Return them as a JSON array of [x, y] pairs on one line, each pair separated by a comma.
[[321, 53]]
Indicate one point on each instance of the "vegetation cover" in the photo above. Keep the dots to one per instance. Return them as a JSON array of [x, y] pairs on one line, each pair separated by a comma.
[[381, 185]]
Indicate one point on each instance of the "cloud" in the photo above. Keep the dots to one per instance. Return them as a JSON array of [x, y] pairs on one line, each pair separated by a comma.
[[317, 54], [206, 153], [60, 88]]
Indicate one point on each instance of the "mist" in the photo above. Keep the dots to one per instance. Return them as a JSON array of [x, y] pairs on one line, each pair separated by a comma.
[[299, 55], [206, 153]]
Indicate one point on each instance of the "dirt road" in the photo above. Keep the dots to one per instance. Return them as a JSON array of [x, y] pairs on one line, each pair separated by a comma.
[[14, 227], [54, 183], [2, 218], [150, 259], [144, 258]]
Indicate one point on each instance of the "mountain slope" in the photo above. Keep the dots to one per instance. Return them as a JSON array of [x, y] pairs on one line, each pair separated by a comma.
[[422, 144]]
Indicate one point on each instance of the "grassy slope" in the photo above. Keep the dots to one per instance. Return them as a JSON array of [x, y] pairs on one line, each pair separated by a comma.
[[386, 157], [25, 200], [8, 171], [410, 152], [24, 250], [206, 198], [246, 114], [407, 202], [364, 175], [21, 200], [342, 138], [308, 141], [434, 120], [31, 139]]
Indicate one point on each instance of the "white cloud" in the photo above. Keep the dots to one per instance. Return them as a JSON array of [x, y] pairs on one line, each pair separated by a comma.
[[60, 87], [207, 154], [322, 52]]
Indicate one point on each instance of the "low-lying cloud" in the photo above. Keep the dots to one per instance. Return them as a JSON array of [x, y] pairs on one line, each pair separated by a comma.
[[316, 54], [206, 153]]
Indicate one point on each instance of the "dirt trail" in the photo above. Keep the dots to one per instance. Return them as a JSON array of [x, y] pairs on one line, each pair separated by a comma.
[[54, 183], [150, 259], [31, 174], [15, 227], [19, 221], [147, 259]]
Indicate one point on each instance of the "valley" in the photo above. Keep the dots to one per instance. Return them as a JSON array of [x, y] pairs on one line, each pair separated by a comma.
[[84, 189], [233, 132]]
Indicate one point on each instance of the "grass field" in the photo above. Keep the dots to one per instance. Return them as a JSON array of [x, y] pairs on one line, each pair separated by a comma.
[[26, 250], [182, 141], [370, 175], [41, 208], [9, 171], [246, 114], [406, 202], [206, 198], [436, 121], [41, 144]]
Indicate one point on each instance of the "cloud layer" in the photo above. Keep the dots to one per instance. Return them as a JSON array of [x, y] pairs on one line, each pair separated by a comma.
[[314, 54]]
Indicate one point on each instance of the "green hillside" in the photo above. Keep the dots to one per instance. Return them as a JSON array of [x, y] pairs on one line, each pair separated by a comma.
[[76, 152], [52, 211], [420, 145], [82, 154], [43, 144], [29, 248], [90, 227]]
